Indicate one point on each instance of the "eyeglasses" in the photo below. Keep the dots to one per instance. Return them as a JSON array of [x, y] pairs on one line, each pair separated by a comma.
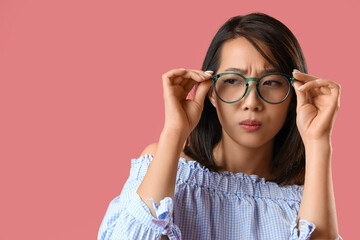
[[273, 88]]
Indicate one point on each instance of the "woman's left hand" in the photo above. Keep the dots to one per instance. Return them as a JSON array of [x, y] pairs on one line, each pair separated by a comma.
[[318, 101]]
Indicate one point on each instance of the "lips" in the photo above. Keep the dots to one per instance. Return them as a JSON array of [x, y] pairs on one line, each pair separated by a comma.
[[251, 122], [250, 125]]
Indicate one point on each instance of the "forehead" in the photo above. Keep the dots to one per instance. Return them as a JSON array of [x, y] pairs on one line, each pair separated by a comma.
[[240, 53]]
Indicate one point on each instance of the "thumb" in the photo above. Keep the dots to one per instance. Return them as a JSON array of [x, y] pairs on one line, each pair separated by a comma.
[[201, 91], [301, 96]]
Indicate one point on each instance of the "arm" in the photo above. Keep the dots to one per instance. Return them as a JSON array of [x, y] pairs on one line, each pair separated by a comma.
[[318, 101], [159, 181], [181, 117], [128, 217], [318, 200], [148, 212]]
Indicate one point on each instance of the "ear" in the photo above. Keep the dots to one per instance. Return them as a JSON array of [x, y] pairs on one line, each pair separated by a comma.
[[212, 95]]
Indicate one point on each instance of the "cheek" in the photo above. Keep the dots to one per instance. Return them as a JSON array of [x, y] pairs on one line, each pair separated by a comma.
[[225, 112], [279, 118], [221, 112], [279, 114]]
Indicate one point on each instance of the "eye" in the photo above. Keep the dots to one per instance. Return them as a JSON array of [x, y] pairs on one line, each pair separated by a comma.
[[272, 83], [230, 81]]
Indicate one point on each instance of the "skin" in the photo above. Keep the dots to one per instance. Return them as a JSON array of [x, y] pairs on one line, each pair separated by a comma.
[[318, 101], [240, 150], [249, 152]]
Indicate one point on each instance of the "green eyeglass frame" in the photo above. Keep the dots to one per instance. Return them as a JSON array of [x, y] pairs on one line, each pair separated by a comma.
[[290, 79]]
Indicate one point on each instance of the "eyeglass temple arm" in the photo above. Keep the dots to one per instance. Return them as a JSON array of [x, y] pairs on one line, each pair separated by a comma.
[[293, 80]]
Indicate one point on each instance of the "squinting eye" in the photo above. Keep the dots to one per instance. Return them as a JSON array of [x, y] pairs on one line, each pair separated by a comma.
[[230, 81], [272, 83]]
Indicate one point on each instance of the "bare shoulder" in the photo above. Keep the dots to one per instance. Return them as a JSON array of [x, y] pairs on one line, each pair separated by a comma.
[[151, 149], [186, 157]]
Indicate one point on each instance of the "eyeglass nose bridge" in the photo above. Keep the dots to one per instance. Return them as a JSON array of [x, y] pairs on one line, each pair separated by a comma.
[[247, 90]]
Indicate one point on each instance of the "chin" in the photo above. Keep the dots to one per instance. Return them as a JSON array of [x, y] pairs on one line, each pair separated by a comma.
[[253, 141]]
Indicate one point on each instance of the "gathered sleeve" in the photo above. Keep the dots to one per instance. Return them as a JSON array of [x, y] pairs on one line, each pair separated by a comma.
[[135, 221], [128, 217], [306, 229]]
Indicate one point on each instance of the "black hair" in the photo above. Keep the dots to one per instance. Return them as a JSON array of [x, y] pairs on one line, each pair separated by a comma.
[[277, 44]]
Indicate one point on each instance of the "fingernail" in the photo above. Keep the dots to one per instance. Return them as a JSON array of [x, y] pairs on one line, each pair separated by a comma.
[[209, 73], [301, 87], [203, 77], [297, 71], [182, 68]]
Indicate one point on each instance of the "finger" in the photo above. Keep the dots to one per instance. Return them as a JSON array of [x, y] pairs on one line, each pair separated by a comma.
[[324, 86], [189, 85], [182, 81], [192, 85], [190, 75], [176, 76], [301, 97], [201, 91], [207, 74], [303, 77]]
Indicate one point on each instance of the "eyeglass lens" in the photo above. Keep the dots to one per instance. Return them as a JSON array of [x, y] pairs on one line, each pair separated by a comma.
[[232, 87]]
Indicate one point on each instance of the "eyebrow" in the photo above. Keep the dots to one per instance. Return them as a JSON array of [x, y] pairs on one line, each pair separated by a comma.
[[242, 71]]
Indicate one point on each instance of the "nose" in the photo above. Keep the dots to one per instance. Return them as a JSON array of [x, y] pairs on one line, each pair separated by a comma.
[[252, 100]]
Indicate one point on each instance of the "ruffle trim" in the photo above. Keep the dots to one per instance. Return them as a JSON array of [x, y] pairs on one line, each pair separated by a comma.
[[242, 184], [164, 218], [306, 228], [163, 223]]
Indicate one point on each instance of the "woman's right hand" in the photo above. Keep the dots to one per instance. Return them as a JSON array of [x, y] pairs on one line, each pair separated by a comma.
[[182, 114]]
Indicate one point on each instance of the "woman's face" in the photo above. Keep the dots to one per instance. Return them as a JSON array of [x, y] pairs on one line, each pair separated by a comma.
[[240, 53]]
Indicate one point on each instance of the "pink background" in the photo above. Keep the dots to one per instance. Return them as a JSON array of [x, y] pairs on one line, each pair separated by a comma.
[[81, 95]]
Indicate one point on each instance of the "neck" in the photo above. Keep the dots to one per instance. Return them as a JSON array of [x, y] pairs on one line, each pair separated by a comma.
[[236, 158]]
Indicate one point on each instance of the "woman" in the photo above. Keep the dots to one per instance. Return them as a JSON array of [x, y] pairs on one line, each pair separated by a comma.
[[247, 157]]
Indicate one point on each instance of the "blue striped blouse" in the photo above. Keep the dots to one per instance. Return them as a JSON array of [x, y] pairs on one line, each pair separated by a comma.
[[207, 205]]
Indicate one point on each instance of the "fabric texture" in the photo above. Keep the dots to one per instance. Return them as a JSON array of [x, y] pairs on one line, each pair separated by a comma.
[[207, 205]]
